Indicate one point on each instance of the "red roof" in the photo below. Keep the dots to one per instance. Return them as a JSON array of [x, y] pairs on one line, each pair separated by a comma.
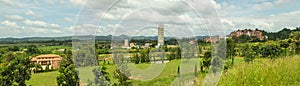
[[47, 57]]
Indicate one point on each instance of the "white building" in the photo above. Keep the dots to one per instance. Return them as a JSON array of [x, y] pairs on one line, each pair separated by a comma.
[[160, 40]]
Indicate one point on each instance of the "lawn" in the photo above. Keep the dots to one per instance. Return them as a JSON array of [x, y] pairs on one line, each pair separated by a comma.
[[43, 79]]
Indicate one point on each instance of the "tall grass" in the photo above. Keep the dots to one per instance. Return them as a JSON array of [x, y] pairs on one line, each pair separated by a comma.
[[281, 71]]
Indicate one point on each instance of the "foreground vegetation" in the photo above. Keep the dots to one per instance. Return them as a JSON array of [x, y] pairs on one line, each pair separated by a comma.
[[282, 71]]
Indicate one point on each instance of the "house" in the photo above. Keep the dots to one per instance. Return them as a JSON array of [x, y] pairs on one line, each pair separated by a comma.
[[212, 39], [49, 59]]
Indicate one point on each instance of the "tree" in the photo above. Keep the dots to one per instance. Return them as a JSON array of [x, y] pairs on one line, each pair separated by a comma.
[[295, 38], [143, 56], [32, 49], [235, 38], [101, 77], [177, 53], [136, 58], [121, 72], [216, 64], [37, 68], [14, 48], [16, 71], [67, 74], [47, 69], [207, 59], [230, 50], [244, 38], [249, 54], [271, 50]]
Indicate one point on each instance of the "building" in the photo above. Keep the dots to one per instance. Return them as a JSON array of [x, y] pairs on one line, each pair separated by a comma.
[[251, 33], [160, 40], [49, 59], [212, 39], [126, 43], [132, 44]]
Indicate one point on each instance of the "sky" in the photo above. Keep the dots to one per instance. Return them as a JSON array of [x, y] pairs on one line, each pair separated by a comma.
[[181, 18]]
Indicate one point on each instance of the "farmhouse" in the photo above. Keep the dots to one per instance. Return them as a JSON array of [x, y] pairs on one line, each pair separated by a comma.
[[49, 59]]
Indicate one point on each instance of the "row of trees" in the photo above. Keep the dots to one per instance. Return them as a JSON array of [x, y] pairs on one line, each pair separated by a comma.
[[271, 49], [250, 51], [142, 55]]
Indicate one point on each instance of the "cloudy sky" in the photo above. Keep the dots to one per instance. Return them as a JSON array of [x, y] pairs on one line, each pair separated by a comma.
[[45, 18]]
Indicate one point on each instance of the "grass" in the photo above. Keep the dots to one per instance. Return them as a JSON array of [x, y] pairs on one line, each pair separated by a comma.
[[43, 79], [263, 72]]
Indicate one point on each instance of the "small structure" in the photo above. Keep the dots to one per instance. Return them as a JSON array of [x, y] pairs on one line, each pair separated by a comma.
[[212, 39], [49, 59]]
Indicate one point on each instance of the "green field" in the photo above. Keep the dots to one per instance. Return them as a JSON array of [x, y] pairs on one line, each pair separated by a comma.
[[43, 79], [282, 71], [264, 72]]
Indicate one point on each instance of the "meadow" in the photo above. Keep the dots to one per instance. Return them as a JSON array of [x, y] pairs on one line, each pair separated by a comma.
[[265, 72], [43, 79]]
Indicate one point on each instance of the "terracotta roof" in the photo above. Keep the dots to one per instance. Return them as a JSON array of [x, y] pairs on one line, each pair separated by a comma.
[[47, 57]]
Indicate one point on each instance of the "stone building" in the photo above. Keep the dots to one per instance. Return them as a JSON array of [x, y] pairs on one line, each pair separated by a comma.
[[212, 39], [252, 33]]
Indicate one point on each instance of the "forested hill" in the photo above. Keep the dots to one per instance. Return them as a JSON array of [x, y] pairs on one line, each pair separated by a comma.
[[282, 34]]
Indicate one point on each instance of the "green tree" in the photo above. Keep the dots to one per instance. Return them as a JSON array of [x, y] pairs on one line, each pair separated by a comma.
[[249, 54], [244, 38], [47, 69], [121, 72], [67, 76], [37, 68], [177, 53], [101, 77], [136, 58], [295, 39], [15, 71], [230, 50], [32, 49], [207, 59]]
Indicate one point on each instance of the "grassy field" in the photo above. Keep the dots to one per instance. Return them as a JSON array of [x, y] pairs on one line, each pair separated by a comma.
[[43, 79], [262, 71]]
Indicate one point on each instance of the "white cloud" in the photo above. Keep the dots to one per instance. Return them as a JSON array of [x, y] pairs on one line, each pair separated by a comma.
[[38, 30], [35, 23], [14, 17], [94, 4], [54, 25], [267, 5], [8, 2], [68, 19], [56, 31], [40, 23], [274, 22], [9, 23], [77, 2], [31, 13]]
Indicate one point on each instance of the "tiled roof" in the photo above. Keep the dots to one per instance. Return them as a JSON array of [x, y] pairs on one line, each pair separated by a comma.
[[55, 57]]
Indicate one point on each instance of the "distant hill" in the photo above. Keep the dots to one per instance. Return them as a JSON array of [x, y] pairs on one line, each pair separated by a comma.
[[282, 34], [106, 38]]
